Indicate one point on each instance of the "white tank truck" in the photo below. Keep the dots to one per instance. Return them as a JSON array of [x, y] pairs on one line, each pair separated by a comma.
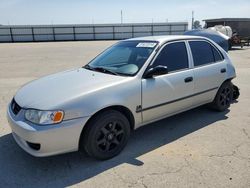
[[227, 30]]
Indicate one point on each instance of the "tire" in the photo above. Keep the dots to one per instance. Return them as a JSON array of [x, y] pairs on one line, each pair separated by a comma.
[[236, 92], [106, 135], [223, 98]]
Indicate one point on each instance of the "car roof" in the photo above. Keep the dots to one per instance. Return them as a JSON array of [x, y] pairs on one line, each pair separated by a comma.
[[165, 38]]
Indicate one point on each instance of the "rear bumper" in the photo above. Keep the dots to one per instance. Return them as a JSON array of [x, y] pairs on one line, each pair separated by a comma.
[[52, 139]]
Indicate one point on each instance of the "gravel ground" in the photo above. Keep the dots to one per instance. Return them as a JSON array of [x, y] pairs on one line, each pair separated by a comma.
[[198, 148]]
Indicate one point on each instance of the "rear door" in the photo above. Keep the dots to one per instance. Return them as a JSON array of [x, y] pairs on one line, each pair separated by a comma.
[[167, 94], [209, 70]]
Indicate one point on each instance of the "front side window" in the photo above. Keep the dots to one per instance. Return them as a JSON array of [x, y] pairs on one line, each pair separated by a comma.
[[174, 56], [124, 58], [204, 53]]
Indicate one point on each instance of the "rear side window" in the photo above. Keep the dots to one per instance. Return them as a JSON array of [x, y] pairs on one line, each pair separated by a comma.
[[217, 56], [204, 53], [174, 56]]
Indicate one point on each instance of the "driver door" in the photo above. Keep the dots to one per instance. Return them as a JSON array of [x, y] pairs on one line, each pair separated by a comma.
[[170, 93]]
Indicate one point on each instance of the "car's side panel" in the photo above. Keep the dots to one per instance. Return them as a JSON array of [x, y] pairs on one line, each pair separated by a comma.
[[210, 78], [166, 94], [231, 73], [207, 78]]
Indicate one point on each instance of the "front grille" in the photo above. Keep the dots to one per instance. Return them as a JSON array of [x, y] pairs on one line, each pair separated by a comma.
[[15, 107]]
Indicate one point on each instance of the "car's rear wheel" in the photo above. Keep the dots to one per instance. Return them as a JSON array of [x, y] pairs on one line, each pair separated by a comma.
[[223, 98], [106, 135]]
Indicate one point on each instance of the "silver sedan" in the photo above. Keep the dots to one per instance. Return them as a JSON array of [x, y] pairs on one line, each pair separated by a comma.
[[132, 83]]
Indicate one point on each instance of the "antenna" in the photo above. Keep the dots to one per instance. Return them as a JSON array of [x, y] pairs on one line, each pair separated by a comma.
[[121, 17], [192, 20]]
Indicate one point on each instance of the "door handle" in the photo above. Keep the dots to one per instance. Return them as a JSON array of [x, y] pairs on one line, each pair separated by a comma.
[[188, 79], [223, 70]]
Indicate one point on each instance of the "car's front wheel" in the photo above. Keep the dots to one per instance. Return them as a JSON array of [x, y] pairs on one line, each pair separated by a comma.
[[106, 135], [224, 97]]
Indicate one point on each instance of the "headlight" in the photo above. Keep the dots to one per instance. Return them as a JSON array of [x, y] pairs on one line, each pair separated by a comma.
[[44, 117]]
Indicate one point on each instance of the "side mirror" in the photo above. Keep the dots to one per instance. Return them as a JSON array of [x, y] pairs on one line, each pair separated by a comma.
[[156, 71]]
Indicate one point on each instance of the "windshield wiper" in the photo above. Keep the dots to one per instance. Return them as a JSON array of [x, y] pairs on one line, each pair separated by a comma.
[[88, 67], [101, 69], [104, 70]]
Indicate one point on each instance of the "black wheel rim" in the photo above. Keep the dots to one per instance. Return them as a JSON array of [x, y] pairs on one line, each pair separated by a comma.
[[110, 136], [225, 97]]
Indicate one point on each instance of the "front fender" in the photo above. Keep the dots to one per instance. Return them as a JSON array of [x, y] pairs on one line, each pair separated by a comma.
[[127, 94]]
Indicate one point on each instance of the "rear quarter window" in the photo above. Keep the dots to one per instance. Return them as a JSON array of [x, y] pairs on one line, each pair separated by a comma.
[[217, 55]]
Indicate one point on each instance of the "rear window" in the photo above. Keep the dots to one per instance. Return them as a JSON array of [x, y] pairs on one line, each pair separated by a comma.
[[204, 53]]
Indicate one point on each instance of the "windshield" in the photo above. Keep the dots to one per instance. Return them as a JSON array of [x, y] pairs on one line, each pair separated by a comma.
[[124, 58]]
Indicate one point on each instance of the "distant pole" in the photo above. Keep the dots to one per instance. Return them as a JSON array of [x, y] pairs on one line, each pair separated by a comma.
[[121, 17], [192, 19]]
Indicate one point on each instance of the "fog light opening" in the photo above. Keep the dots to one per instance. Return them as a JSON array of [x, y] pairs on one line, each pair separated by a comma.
[[34, 146]]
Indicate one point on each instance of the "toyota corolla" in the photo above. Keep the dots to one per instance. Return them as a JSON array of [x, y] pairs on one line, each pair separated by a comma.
[[132, 83]]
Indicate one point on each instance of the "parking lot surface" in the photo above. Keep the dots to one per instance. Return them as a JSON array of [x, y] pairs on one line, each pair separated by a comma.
[[198, 148]]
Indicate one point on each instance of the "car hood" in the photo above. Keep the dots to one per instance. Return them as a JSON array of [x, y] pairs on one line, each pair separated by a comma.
[[53, 90]]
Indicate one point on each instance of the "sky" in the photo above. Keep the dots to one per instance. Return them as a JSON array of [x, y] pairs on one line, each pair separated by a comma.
[[25, 12]]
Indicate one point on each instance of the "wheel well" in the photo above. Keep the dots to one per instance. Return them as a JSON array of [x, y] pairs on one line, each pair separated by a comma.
[[227, 80], [125, 111]]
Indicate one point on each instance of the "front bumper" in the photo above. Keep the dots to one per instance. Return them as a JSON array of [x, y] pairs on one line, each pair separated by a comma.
[[52, 139]]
